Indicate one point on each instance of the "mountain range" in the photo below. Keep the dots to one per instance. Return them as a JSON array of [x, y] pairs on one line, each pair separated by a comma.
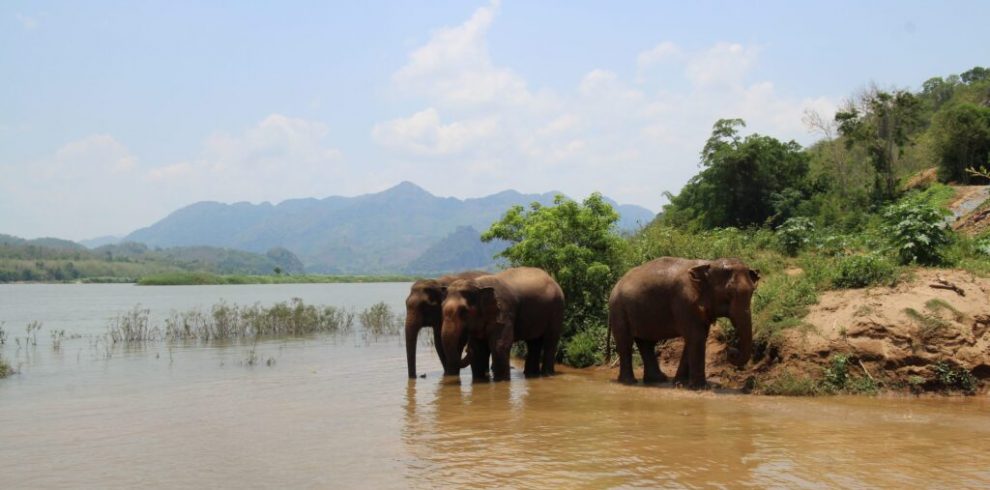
[[403, 229]]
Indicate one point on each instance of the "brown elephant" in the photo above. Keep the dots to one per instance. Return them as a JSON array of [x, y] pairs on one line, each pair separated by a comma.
[[674, 297], [423, 310], [491, 312]]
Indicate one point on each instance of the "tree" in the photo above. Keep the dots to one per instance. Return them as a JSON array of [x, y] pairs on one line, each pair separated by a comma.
[[884, 123], [975, 74], [743, 182], [962, 141], [577, 244]]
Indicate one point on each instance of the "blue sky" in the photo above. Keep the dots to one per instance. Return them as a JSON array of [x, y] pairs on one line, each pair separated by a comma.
[[113, 114]]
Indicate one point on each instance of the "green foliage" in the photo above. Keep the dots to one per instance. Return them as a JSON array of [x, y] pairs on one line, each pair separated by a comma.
[[860, 271], [584, 348], [836, 373], [917, 231], [380, 320], [951, 377], [779, 303], [883, 123], [5, 369], [743, 182], [795, 234], [788, 384], [229, 321], [577, 244], [962, 140]]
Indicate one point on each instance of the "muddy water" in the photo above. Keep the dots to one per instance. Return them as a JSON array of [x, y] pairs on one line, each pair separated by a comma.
[[338, 412]]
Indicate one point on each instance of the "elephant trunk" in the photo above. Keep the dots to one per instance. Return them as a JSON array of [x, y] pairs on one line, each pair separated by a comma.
[[453, 345], [412, 332], [743, 324]]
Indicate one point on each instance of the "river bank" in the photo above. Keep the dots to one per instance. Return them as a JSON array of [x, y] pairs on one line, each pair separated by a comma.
[[928, 333]]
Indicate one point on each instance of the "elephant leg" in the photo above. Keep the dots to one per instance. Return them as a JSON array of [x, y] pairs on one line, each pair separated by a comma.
[[500, 363], [550, 342], [534, 350], [651, 366], [681, 378], [623, 345], [438, 344], [479, 360], [696, 358]]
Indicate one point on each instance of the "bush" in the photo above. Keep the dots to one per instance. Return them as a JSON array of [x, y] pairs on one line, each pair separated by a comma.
[[584, 348], [577, 244], [917, 231], [954, 377], [795, 234], [860, 271]]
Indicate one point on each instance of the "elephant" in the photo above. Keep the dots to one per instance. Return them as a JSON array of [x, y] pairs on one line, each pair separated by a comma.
[[674, 297], [491, 312], [423, 310]]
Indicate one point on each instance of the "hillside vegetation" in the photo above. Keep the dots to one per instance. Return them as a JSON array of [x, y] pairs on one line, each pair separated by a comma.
[[53, 260], [854, 210]]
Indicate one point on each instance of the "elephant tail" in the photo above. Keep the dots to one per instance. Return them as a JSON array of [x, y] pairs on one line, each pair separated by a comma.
[[468, 355]]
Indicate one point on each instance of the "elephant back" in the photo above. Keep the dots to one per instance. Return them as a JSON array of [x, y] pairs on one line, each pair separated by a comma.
[[541, 301]]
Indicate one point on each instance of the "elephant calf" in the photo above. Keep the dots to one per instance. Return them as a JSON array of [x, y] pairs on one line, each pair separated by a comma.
[[491, 312], [673, 297]]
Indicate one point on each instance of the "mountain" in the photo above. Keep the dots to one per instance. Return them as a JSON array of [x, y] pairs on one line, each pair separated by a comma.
[[100, 241], [461, 250], [384, 232]]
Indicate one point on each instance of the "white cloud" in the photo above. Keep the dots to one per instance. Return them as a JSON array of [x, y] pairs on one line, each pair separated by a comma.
[[722, 64], [278, 158], [27, 22], [661, 52], [96, 186], [454, 67], [631, 140], [424, 134]]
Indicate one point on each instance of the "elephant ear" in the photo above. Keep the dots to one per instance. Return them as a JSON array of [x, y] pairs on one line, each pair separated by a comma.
[[754, 275], [488, 304], [699, 274], [436, 294]]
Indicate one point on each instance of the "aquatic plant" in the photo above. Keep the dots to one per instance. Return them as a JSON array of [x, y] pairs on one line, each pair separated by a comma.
[[227, 321], [380, 320]]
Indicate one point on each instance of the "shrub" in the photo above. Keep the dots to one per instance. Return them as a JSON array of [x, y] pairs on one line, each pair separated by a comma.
[[584, 349], [860, 271], [918, 231], [795, 234], [954, 377]]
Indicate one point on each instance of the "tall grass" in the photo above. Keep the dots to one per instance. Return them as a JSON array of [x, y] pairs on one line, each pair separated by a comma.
[[378, 320], [226, 321]]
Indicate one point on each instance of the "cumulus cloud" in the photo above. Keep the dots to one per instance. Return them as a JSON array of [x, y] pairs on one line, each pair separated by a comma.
[[632, 140], [95, 185], [280, 157]]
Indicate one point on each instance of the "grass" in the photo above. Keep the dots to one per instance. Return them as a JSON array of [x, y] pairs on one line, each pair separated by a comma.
[[226, 321], [929, 323], [5, 369], [378, 320], [836, 378], [206, 278]]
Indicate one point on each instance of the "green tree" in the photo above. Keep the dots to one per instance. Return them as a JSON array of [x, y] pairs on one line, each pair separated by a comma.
[[743, 182], [884, 124], [577, 244], [962, 140]]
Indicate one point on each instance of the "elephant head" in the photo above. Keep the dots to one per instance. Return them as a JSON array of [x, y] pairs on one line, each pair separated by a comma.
[[422, 310], [467, 310], [725, 289]]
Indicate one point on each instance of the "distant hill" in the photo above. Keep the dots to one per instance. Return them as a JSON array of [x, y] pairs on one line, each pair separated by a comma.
[[53, 259], [100, 241], [461, 250], [392, 231]]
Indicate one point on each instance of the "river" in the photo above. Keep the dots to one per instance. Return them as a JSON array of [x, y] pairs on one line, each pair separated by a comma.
[[338, 411]]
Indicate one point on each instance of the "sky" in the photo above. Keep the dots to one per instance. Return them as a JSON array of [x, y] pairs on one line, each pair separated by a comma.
[[114, 114]]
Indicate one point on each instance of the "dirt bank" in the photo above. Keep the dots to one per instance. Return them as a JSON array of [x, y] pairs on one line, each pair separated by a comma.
[[908, 338]]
